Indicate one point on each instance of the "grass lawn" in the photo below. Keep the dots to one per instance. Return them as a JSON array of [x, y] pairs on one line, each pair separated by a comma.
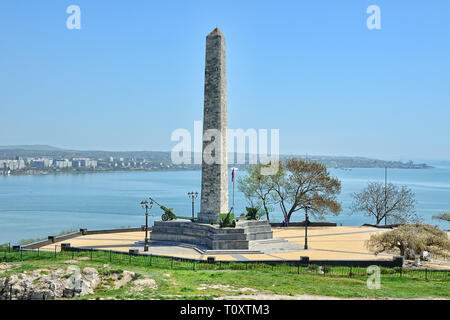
[[209, 284]]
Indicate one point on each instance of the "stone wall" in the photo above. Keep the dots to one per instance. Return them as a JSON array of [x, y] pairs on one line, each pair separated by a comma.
[[39, 244]]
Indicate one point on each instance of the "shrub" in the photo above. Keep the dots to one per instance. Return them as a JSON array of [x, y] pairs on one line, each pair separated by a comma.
[[418, 237]]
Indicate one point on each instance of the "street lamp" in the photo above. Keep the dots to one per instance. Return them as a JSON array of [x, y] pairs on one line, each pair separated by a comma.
[[307, 206], [193, 196], [146, 206]]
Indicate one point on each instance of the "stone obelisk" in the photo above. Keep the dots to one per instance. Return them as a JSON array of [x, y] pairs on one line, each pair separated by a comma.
[[214, 194]]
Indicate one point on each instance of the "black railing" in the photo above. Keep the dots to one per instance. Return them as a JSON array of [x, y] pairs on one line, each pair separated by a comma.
[[158, 261]]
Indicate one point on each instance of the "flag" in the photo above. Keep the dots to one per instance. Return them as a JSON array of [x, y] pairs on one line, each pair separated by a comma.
[[232, 175]]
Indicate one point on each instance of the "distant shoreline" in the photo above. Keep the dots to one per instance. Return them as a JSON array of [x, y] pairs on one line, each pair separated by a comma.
[[95, 171], [44, 160]]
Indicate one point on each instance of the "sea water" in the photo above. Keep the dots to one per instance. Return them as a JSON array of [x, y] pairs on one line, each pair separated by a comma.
[[35, 206]]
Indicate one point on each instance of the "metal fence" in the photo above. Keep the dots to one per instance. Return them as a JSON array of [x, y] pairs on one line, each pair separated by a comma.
[[8, 254]]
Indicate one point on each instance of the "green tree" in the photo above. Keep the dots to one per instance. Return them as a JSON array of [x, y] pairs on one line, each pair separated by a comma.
[[397, 203], [300, 183], [258, 189]]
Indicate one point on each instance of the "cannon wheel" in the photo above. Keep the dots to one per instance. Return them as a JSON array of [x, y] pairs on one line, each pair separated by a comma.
[[165, 217]]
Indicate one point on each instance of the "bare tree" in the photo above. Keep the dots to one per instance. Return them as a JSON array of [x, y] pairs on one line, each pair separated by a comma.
[[395, 203]]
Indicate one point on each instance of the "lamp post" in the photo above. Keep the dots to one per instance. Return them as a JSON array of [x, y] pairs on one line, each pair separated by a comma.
[[146, 206], [307, 206], [193, 195]]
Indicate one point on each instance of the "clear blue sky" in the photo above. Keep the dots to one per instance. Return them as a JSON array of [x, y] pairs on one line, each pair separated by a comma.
[[134, 73]]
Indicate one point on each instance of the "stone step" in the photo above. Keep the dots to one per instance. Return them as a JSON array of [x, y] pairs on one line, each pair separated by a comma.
[[194, 229], [253, 222], [269, 241], [230, 237], [240, 234], [260, 236], [258, 229], [227, 245], [237, 251]]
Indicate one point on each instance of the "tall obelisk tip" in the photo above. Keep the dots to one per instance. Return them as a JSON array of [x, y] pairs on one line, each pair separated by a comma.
[[216, 30]]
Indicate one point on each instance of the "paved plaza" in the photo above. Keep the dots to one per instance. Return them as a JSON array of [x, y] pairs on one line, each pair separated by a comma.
[[324, 243]]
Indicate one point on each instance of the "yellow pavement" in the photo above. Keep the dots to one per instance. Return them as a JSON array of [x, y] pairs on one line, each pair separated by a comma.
[[333, 243], [122, 241]]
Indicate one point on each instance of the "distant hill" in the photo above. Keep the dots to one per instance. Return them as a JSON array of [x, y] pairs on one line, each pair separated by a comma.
[[34, 147]]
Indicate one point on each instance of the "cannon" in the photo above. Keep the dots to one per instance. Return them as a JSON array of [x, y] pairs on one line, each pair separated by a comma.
[[253, 213], [227, 220], [168, 213]]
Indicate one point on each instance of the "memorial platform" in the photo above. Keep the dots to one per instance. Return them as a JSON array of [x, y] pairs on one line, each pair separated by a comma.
[[211, 236], [325, 243]]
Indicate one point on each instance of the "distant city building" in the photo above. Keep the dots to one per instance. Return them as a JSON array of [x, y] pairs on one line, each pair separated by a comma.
[[63, 163], [84, 163], [42, 162], [12, 164]]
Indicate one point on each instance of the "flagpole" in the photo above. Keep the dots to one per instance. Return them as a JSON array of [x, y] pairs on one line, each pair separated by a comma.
[[233, 196], [233, 190], [232, 180]]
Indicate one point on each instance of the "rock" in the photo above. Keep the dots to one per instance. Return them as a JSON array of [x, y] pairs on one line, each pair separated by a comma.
[[41, 295], [68, 293], [57, 274], [4, 266], [91, 275], [36, 273], [3, 282], [127, 276], [82, 287], [57, 287], [13, 279], [72, 270], [142, 284], [17, 291], [71, 261], [46, 284]]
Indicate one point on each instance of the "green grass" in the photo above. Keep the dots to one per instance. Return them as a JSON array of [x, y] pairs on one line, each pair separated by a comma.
[[185, 283]]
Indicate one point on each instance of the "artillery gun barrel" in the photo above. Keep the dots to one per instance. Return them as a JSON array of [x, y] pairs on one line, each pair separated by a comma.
[[155, 201], [163, 208]]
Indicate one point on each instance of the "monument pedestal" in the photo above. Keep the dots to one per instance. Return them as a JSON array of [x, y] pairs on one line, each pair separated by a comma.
[[212, 236]]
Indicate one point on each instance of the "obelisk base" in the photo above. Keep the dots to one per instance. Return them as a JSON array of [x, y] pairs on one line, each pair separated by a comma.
[[208, 217], [212, 236]]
